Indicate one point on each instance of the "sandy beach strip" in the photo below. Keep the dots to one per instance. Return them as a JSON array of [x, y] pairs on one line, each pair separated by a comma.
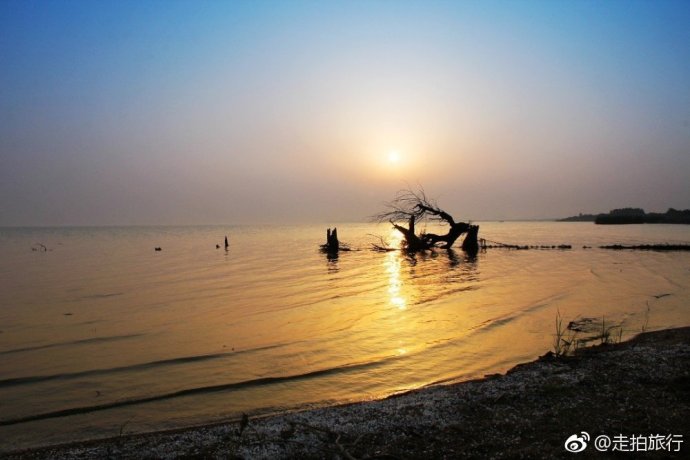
[[629, 392]]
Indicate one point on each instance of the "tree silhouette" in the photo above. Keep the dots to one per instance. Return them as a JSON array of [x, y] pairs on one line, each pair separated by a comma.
[[414, 206]]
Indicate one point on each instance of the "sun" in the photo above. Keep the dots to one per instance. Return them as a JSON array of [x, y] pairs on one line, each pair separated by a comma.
[[394, 157]]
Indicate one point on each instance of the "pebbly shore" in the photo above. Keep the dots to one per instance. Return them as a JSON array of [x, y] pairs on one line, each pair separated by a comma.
[[635, 394]]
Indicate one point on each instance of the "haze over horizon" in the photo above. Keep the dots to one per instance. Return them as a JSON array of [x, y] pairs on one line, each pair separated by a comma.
[[194, 112]]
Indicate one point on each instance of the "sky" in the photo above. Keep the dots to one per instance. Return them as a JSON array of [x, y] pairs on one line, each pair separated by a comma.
[[242, 112]]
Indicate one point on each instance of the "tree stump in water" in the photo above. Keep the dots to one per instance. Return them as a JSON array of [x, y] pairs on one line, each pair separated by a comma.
[[470, 244], [413, 243], [332, 244]]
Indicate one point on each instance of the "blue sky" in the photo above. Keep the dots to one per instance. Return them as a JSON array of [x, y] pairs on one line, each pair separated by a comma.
[[178, 112]]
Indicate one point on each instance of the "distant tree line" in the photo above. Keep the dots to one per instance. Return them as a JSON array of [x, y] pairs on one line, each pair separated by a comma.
[[633, 216]]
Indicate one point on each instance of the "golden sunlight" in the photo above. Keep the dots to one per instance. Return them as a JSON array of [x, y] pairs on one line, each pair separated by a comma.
[[394, 157]]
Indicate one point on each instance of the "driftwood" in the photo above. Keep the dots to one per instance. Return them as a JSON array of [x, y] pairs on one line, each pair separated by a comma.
[[411, 207], [382, 245]]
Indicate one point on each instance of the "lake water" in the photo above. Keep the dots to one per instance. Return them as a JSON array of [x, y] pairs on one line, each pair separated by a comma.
[[101, 334]]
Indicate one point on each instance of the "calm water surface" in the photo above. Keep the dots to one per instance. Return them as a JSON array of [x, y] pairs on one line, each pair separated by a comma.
[[101, 333]]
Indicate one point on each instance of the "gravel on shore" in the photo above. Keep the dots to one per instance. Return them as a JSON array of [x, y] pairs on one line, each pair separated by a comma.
[[632, 390]]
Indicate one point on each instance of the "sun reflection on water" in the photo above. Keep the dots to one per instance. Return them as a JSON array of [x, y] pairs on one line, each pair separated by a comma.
[[393, 268]]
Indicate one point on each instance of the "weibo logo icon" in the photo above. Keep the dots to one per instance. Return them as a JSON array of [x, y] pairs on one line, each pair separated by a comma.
[[577, 443]]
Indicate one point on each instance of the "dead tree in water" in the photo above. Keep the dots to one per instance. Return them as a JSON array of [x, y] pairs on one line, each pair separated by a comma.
[[413, 207], [333, 244], [412, 241]]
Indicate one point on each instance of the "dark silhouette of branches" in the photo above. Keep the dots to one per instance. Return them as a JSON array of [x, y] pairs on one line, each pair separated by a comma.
[[413, 206], [408, 203]]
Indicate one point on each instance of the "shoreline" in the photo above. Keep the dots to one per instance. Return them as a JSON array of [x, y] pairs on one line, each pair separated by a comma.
[[637, 387]]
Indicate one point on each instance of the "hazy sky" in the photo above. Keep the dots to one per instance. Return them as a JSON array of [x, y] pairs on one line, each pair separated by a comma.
[[183, 112]]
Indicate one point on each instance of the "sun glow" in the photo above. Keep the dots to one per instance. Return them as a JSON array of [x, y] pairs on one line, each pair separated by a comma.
[[394, 157]]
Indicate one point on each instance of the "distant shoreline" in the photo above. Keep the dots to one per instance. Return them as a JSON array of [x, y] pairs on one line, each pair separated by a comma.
[[632, 388], [633, 216]]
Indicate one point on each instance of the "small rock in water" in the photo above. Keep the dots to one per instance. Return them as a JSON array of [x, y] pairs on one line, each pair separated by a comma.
[[158, 248]]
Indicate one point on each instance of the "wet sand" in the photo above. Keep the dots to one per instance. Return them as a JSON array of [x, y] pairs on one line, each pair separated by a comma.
[[639, 388]]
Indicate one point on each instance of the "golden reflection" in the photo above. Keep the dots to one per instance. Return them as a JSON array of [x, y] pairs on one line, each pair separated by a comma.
[[399, 302], [393, 266]]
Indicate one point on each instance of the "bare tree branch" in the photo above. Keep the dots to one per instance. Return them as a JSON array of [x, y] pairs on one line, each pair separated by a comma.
[[414, 206], [407, 203]]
